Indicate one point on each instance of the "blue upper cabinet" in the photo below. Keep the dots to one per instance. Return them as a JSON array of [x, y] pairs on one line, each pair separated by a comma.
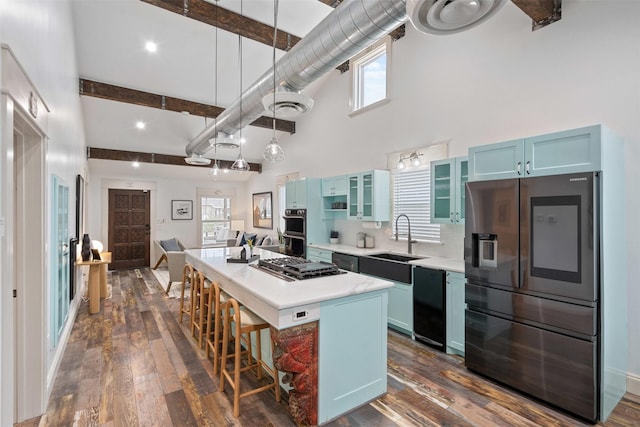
[[447, 190], [368, 196], [296, 194], [571, 151]]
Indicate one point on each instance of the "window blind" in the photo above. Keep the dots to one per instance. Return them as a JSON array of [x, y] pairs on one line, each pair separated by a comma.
[[412, 196]]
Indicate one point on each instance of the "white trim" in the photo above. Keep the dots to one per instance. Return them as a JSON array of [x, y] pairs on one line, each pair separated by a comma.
[[382, 46], [633, 384]]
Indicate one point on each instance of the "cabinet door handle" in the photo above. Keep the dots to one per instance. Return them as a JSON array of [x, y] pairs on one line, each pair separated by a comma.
[[451, 218], [518, 167], [457, 215], [527, 167]]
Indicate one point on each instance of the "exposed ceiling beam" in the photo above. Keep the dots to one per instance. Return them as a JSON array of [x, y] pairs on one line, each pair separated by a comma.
[[227, 20], [163, 102], [542, 12], [161, 159]]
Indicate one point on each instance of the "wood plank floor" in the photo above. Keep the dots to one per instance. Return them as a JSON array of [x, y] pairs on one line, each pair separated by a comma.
[[134, 364]]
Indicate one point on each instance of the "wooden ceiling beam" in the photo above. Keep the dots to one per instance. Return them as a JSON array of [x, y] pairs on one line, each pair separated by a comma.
[[542, 12], [163, 102], [227, 20], [160, 159]]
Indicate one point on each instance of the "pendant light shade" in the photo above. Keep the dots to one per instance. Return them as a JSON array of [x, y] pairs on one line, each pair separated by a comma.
[[273, 152], [240, 165]]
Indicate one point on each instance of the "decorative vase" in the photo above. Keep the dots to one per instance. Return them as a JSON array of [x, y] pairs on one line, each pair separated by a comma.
[[86, 248]]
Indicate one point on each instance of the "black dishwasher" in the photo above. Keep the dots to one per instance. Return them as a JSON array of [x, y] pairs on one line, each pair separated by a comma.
[[429, 309]]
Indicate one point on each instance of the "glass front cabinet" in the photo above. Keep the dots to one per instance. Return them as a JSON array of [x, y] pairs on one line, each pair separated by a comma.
[[368, 196], [448, 178]]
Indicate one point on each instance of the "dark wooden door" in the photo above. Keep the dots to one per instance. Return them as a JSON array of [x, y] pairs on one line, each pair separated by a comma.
[[129, 228]]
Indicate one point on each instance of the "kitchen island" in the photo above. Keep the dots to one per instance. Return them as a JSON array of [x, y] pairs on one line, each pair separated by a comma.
[[330, 332]]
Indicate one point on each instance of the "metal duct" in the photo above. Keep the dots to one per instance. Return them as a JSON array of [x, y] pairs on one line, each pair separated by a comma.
[[351, 27]]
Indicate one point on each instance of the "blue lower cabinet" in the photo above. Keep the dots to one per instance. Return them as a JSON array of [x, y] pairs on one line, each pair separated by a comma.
[[455, 312], [400, 315]]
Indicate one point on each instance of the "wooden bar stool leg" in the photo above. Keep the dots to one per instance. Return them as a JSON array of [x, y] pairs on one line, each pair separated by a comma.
[[187, 274]]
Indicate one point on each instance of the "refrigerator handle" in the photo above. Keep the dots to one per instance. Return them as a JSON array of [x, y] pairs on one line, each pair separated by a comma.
[[518, 165]]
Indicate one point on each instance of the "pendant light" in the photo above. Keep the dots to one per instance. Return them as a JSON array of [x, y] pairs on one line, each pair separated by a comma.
[[215, 169], [273, 152], [240, 165]]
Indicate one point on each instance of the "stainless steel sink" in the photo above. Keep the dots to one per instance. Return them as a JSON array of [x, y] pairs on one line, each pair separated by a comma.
[[389, 266]]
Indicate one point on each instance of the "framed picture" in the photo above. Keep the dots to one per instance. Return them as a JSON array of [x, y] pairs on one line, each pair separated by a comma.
[[262, 210], [182, 209]]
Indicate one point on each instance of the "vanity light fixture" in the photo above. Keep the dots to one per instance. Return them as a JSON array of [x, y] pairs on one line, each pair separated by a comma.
[[413, 158], [273, 152]]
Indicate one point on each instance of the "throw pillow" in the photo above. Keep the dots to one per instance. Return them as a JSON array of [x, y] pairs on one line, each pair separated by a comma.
[[240, 239], [170, 245], [259, 239], [248, 236], [268, 241]]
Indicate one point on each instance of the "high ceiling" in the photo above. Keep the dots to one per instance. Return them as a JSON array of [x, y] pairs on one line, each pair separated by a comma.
[[122, 83], [110, 43]]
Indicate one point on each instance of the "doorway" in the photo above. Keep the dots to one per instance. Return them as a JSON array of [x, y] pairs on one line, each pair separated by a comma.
[[129, 228]]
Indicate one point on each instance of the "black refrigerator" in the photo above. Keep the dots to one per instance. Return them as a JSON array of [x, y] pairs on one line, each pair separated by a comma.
[[531, 262]]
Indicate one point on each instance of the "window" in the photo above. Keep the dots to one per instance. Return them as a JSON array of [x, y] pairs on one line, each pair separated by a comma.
[[369, 76], [215, 219], [412, 196]]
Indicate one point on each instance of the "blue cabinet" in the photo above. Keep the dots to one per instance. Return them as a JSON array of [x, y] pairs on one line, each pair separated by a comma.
[[400, 310], [296, 194], [455, 312], [447, 190], [318, 255], [571, 151], [334, 197], [368, 196]]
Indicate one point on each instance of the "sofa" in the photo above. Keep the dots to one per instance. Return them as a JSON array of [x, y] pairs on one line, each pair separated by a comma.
[[172, 252], [260, 240]]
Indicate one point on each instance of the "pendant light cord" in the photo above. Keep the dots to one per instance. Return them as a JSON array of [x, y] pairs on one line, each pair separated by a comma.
[[275, 36]]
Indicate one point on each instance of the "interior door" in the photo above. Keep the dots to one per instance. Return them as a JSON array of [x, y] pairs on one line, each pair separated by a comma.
[[129, 228]]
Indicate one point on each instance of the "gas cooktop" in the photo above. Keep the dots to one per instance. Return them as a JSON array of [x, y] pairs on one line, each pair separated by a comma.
[[297, 268]]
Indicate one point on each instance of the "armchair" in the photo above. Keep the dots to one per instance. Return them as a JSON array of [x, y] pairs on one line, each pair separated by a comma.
[[171, 251]]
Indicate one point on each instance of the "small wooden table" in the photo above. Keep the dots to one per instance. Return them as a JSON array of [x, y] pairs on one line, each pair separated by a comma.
[[97, 283]]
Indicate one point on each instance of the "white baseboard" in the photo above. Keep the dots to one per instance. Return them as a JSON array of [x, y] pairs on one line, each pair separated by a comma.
[[633, 384]]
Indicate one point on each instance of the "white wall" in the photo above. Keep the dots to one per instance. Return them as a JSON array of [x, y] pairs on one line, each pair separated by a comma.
[[164, 190], [40, 34], [496, 82]]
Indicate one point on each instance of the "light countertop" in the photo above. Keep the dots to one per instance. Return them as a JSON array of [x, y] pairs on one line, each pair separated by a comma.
[[273, 298], [347, 249], [448, 264]]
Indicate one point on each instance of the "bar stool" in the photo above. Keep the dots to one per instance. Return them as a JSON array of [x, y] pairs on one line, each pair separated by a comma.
[[245, 322], [199, 305], [217, 301], [187, 278]]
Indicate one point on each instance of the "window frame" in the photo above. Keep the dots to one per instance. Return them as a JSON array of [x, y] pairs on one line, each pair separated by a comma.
[[356, 65], [202, 194]]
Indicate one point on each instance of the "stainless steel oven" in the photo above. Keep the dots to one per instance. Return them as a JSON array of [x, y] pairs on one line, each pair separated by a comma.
[[295, 232]]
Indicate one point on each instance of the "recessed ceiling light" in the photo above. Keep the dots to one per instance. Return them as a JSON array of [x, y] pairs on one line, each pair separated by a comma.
[[151, 46], [135, 164], [140, 125], [242, 140]]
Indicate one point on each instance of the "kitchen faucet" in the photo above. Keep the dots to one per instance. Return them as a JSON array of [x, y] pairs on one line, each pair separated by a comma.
[[409, 241]]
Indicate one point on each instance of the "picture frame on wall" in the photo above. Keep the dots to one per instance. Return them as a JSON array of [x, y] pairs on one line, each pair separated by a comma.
[[181, 209], [262, 210]]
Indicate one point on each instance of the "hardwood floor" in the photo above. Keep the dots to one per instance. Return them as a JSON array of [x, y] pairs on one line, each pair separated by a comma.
[[134, 364]]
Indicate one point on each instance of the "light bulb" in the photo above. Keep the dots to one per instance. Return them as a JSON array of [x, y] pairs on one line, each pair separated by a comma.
[[273, 152], [401, 164]]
